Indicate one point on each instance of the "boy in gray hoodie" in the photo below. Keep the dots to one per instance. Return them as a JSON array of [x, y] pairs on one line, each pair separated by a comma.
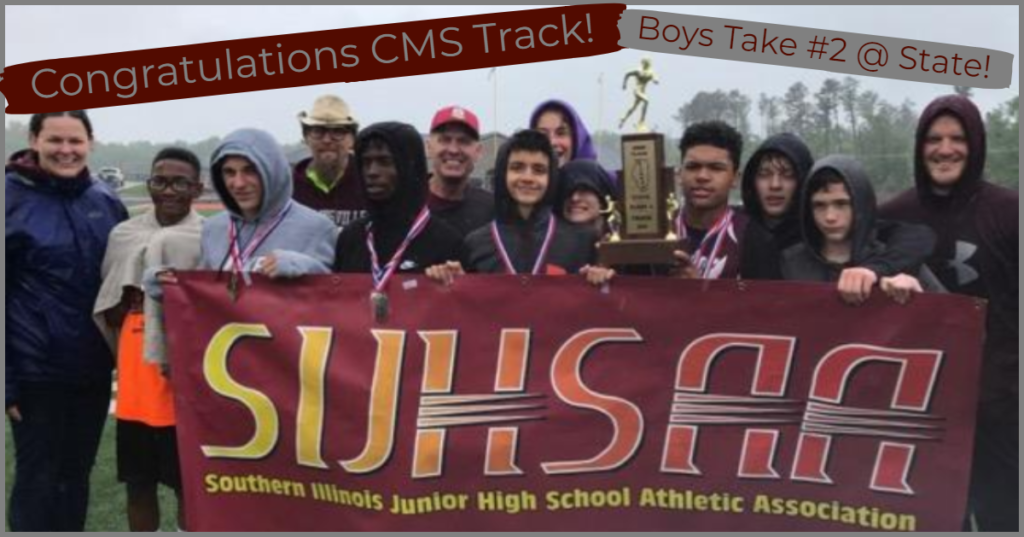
[[262, 230]]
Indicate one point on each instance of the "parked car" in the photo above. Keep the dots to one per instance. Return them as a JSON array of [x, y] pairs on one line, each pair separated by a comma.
[[112, 177]]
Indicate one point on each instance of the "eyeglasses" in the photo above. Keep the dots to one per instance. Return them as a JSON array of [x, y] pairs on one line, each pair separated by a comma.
[[177, 184], [319, 133]]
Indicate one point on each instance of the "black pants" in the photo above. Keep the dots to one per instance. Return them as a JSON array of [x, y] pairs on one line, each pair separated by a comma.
[[994, 480], [55, 449]]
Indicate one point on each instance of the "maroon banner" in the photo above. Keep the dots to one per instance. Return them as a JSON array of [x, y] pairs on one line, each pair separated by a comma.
[[288, 61], [544, 404]]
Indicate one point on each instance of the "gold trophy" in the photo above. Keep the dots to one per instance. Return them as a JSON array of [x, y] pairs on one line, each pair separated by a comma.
[[643, 216]]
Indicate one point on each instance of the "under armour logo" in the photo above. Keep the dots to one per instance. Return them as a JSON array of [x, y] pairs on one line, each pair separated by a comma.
[[965, 274]]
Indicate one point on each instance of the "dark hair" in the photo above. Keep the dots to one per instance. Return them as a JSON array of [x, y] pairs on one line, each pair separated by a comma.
[[714, 133], [531, 141], [368, 138], [823, 180], [775, 156], [35, 125], [181, 155]]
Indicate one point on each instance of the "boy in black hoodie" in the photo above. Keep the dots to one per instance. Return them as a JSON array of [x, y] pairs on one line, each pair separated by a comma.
[[976, 222], [586, 187], [527, 237], [772, 182], [837, 218], [398, 235]]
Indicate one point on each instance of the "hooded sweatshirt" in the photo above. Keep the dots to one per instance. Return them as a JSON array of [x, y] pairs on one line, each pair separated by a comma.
[[804, 261], [303, 240], [586, 175], [56, 233], [583, 146], [976, 254], [393, 219], [589, 176], [766, 239], [572, 247]]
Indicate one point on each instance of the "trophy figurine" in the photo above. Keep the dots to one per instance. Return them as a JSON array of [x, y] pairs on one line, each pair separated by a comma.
[[644, 76], [673, 210], [613, 219]]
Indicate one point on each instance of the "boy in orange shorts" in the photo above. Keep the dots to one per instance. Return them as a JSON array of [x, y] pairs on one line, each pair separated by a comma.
[[147, 453]]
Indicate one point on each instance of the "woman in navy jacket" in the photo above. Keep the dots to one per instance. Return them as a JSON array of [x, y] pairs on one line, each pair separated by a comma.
[[58, 366]]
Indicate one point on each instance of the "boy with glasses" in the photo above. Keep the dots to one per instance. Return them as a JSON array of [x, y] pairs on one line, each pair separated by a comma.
[[146, 444], [328, 181]]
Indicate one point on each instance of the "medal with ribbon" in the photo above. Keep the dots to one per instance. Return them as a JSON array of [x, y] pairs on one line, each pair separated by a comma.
[[541, 257], [380, 305], [239, 257]]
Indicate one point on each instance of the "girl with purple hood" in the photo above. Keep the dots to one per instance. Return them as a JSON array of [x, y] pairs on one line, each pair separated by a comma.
[[568, 134]]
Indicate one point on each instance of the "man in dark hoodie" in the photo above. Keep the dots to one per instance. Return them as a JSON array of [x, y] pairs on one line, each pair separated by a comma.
[[527, 237], [838, 223], [772, 182], [398, 235], [976, 222]]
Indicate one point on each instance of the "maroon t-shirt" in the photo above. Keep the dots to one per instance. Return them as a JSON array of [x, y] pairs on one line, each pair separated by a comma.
[[344, 204]]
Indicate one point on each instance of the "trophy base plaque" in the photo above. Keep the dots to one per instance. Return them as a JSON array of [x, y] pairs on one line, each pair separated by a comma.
[[637, 252]]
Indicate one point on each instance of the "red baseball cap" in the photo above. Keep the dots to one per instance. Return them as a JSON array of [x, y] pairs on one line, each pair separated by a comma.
[[459, 115]]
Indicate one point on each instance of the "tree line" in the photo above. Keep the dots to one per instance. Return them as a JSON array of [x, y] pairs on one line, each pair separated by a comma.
[[841, 117], [134, 158]]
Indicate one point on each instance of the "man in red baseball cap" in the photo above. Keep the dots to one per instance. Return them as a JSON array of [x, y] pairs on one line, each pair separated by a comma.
[[454, 149]]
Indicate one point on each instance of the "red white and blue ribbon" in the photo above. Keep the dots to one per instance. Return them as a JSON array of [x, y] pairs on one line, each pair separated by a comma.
[[238, 257], [706, 254], [382, 275], [538, 265]]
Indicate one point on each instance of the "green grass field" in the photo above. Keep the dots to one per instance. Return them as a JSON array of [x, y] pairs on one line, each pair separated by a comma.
[[107, 502]]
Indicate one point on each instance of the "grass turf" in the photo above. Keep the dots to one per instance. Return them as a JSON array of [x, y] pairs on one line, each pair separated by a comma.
[[107, 499]]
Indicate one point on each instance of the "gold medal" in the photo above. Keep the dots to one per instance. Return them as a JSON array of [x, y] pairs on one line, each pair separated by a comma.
[[380, 306]]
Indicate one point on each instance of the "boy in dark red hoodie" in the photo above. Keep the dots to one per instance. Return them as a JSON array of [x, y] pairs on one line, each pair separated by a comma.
[[976, 222]]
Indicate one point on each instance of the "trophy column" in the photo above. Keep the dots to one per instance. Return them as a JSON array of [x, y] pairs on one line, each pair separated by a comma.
[[644, 234]]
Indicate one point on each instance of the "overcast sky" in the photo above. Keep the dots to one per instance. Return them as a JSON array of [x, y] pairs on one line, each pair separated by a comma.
[[42, 33]]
